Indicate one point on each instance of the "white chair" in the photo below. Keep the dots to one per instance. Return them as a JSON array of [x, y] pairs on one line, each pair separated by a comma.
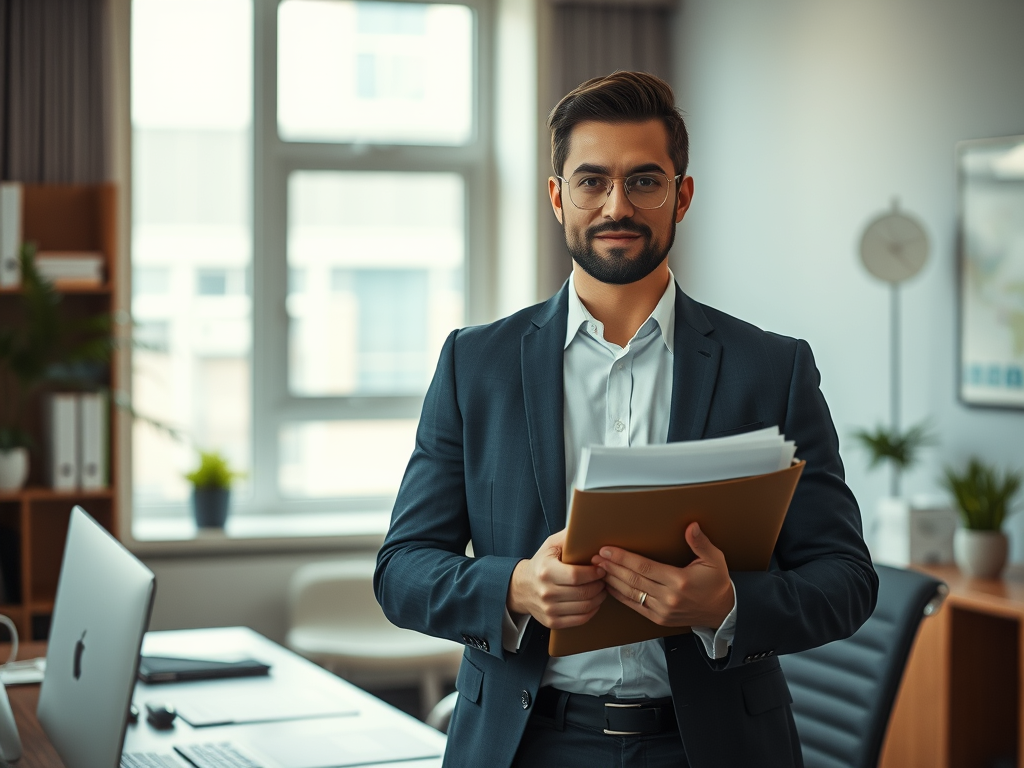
[[440, 716], [335, 621]]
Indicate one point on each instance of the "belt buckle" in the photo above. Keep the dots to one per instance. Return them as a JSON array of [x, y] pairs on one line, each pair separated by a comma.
[[620, 706]]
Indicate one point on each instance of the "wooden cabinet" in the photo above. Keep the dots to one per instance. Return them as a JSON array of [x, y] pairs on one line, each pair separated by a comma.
[[34, 521], [960, 703]]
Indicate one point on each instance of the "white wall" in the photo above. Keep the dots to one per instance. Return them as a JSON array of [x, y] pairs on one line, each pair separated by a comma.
[[806, 118]]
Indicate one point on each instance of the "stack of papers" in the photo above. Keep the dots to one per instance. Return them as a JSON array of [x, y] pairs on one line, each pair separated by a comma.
[[71, 267], [694, 461], [23, 672]]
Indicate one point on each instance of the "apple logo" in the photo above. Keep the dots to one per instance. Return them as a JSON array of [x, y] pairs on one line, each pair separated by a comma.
[[79, 649]]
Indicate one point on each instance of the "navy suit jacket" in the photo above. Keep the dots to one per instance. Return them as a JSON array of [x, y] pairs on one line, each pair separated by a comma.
[[489, 467]]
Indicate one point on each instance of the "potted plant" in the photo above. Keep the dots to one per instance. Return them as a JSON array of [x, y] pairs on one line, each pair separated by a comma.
[[14, 445], [983, 498], [900, 450], [211, 489], [40, 344], [903, 533]]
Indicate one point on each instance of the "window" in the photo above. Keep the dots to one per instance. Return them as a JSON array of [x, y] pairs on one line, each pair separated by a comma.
[[308, 185], [151, 280]]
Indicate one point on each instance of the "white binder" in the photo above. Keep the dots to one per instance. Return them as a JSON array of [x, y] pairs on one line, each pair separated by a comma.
[[61, 434], [92, 440], [10, 235]]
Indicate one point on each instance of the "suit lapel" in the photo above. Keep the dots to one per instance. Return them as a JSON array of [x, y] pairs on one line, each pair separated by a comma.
[[542, 349], [694, 370]]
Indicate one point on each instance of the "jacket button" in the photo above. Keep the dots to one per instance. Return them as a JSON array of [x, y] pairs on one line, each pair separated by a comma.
[[525, 698]]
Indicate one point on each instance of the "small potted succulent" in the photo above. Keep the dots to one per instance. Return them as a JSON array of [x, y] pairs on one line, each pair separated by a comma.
[[983, 498], [211, 489]]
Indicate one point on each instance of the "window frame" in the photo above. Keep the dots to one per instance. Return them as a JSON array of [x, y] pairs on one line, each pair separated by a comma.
[[273, 160]]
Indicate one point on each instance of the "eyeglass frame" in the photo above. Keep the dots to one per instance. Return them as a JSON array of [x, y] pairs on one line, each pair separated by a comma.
[[612, 179]]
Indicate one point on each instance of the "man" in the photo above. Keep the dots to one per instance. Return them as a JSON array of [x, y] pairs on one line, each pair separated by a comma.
[[619, 356]]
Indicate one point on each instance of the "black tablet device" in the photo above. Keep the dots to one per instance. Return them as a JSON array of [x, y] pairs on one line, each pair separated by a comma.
[[164, 669]]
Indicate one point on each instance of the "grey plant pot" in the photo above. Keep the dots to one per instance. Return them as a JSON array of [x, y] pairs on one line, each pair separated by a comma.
[[980, 554], [13, 469], [211, 506]]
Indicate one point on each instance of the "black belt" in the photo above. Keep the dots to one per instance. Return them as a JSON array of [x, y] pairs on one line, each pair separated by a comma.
[[616, 717]]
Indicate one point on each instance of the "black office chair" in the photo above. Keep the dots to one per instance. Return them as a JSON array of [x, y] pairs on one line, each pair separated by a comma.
[[843, 692]]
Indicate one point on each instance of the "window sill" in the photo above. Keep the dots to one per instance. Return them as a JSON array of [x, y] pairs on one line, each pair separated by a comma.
[[244, 534]]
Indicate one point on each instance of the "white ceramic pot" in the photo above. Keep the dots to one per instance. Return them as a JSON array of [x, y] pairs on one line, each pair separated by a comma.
[[904, 532], [13, 469], [980, 554]]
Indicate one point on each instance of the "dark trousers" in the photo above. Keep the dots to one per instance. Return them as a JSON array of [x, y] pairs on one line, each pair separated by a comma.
[[544, 745]]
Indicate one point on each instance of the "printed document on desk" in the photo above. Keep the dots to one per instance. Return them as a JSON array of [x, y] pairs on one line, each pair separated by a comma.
[[293, 689], [250, 700]]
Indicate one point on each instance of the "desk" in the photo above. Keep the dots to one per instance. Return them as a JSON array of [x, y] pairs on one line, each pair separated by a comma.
[[961, 703], [370, 712], [36, 749]]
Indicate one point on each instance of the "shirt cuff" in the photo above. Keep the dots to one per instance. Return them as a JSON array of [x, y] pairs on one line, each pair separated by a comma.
[[717, 642], [512, 631]]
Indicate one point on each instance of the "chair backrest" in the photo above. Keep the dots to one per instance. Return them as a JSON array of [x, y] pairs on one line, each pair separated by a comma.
[[843, 692], [334, 592]]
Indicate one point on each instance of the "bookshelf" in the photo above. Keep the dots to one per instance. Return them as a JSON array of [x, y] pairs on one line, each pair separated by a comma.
[[34, 520]]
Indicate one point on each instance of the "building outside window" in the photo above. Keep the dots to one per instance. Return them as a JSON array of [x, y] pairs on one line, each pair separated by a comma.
[[308, 196]]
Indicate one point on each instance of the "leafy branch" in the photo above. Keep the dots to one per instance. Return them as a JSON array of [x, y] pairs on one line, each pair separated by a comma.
[[213, 471], [902, 450], [41, 344]]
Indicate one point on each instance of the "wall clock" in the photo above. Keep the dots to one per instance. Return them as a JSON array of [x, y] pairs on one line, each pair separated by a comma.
[[894, 246]]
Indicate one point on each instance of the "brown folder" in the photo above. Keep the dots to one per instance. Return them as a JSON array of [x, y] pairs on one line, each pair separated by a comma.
[[741, 517]]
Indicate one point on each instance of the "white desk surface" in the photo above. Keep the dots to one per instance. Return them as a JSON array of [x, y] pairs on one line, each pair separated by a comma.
[[291, 677]]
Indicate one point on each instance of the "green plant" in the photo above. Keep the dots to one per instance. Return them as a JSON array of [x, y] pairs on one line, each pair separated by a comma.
[[901, 450], [43, 343], [213, 471], [982, 496]]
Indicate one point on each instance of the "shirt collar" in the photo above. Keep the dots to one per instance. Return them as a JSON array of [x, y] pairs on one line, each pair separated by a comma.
[[664, 313]]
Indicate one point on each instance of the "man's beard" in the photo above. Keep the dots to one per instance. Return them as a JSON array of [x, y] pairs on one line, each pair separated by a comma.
[[616, 268]]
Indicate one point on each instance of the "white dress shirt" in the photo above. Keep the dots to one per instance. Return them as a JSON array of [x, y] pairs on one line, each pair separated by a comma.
[[618, 396]]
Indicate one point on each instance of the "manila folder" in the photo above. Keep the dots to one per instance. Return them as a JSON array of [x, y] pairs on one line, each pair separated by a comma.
[[742, 517]]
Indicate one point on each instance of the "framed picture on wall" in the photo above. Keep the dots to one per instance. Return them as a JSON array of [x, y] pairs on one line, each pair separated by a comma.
[[991, 282]]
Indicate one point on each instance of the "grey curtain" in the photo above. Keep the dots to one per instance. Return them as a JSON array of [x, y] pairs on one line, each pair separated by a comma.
[[53, 91], [593, 38]]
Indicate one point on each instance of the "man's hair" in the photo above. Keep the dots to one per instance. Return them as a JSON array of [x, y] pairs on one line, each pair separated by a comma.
[[621, 97]]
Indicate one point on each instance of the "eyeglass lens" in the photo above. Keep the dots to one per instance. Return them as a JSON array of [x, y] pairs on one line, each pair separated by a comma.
[[644, 190]]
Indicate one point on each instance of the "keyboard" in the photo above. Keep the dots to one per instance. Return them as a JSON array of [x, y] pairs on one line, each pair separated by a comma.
[[215, 755], [148, 760]]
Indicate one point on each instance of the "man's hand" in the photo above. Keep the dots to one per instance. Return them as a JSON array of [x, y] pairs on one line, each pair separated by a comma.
[[698, 595], [554, 593]]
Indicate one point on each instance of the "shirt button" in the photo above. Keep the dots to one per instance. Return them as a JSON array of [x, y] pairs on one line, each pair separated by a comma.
[[524, 697], [593, 328], [621, 366], [619, 426]]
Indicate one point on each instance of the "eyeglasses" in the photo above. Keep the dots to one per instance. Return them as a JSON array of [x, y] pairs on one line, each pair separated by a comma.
[[644, 190]]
